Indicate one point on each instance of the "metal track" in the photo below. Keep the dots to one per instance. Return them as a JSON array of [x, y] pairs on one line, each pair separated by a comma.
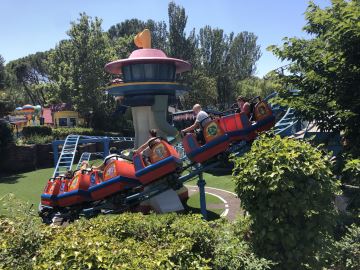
[[67, 155], [84, 157], [287, 125]]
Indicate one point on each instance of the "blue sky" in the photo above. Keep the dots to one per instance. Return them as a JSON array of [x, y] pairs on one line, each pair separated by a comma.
[[30, 26]]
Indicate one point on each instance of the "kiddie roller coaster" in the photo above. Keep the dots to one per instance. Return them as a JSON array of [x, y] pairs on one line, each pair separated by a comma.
[[133, 182]]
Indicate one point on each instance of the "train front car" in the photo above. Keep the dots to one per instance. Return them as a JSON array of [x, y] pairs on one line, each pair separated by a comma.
[[216, 142]]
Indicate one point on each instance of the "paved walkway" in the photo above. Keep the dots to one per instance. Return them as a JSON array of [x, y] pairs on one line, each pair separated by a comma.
[[230, 202]]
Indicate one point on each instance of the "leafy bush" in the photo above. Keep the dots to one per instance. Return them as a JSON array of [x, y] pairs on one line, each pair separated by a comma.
[[21, 234], [36, 130], [232, 252], [6, 137], [348, 250], [35, 139], [351, 172], [61, 133], [287, 187], [126, 241], [351, 179]]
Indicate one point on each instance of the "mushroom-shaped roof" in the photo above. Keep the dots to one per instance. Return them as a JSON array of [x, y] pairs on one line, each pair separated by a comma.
[[147, 56]]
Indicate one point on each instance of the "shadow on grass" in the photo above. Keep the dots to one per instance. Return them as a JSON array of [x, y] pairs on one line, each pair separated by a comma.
[[10, 178], [210, 214]]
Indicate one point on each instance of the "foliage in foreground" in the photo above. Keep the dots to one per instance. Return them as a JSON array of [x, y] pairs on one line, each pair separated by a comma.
[[127, 241], [347, 256], [288, 188]]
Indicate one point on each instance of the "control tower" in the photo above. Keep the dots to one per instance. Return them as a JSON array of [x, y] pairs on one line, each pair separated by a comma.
[[148, 87]]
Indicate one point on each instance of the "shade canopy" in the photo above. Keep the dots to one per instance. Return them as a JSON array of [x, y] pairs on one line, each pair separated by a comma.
[[145, 56]]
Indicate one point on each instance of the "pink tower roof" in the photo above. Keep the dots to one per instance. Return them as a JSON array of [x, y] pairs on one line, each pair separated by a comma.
[[143, 56]]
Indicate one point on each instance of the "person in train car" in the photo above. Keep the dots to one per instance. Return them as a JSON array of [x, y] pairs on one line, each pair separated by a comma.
[[69, 174], [202, 118], [144, 149], [243, 105], [112, 156]]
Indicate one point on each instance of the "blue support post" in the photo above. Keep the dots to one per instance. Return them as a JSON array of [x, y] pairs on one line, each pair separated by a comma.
[[55, 152], [201, 184], [106, 144]]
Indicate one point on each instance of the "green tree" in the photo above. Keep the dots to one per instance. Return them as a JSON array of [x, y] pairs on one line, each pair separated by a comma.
[[180, 46], [255, 86], [77, 65], [326, 68], [126, 28], [27, 74], [202, 90], [227, 59], [244, 53], [129, 28], [2, 72]]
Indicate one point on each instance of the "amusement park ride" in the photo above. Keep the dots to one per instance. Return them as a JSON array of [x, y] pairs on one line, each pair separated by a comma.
[[129, 182]]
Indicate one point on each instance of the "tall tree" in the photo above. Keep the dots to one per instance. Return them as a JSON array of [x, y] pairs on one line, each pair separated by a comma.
[[31, 72], [203, 90], [254, 86], [129, 28], [326, 68], [244, 53], [227, 59], [77, 65], [180, 46], [126, 28], [2, 72]]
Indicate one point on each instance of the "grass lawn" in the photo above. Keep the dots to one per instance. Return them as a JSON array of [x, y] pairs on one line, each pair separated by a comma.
[[222, 182], [26, 186], [212, 212]]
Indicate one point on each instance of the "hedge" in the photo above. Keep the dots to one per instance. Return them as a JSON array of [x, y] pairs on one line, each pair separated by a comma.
[[61, 133], [126, 241], [36, 130]]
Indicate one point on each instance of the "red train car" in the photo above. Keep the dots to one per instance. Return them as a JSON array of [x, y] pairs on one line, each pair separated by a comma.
[[163, 160], [74, 191], [217, 141], [118, 175]]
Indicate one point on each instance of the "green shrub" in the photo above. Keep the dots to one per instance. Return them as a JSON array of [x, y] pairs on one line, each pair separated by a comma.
[[126, 241], [6, 137], [351, 179], [232, 252], [62, 133], [36, 131], [135, 241], [288, 188], [21, 234], [348, 250], [36, 139], [351, 172]]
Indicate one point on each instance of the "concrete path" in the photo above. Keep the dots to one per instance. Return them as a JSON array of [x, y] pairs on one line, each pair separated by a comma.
[[230, 202]]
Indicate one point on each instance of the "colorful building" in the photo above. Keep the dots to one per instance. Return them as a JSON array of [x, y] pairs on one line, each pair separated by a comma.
[[64, 116], [67, 119], [59, 115]]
